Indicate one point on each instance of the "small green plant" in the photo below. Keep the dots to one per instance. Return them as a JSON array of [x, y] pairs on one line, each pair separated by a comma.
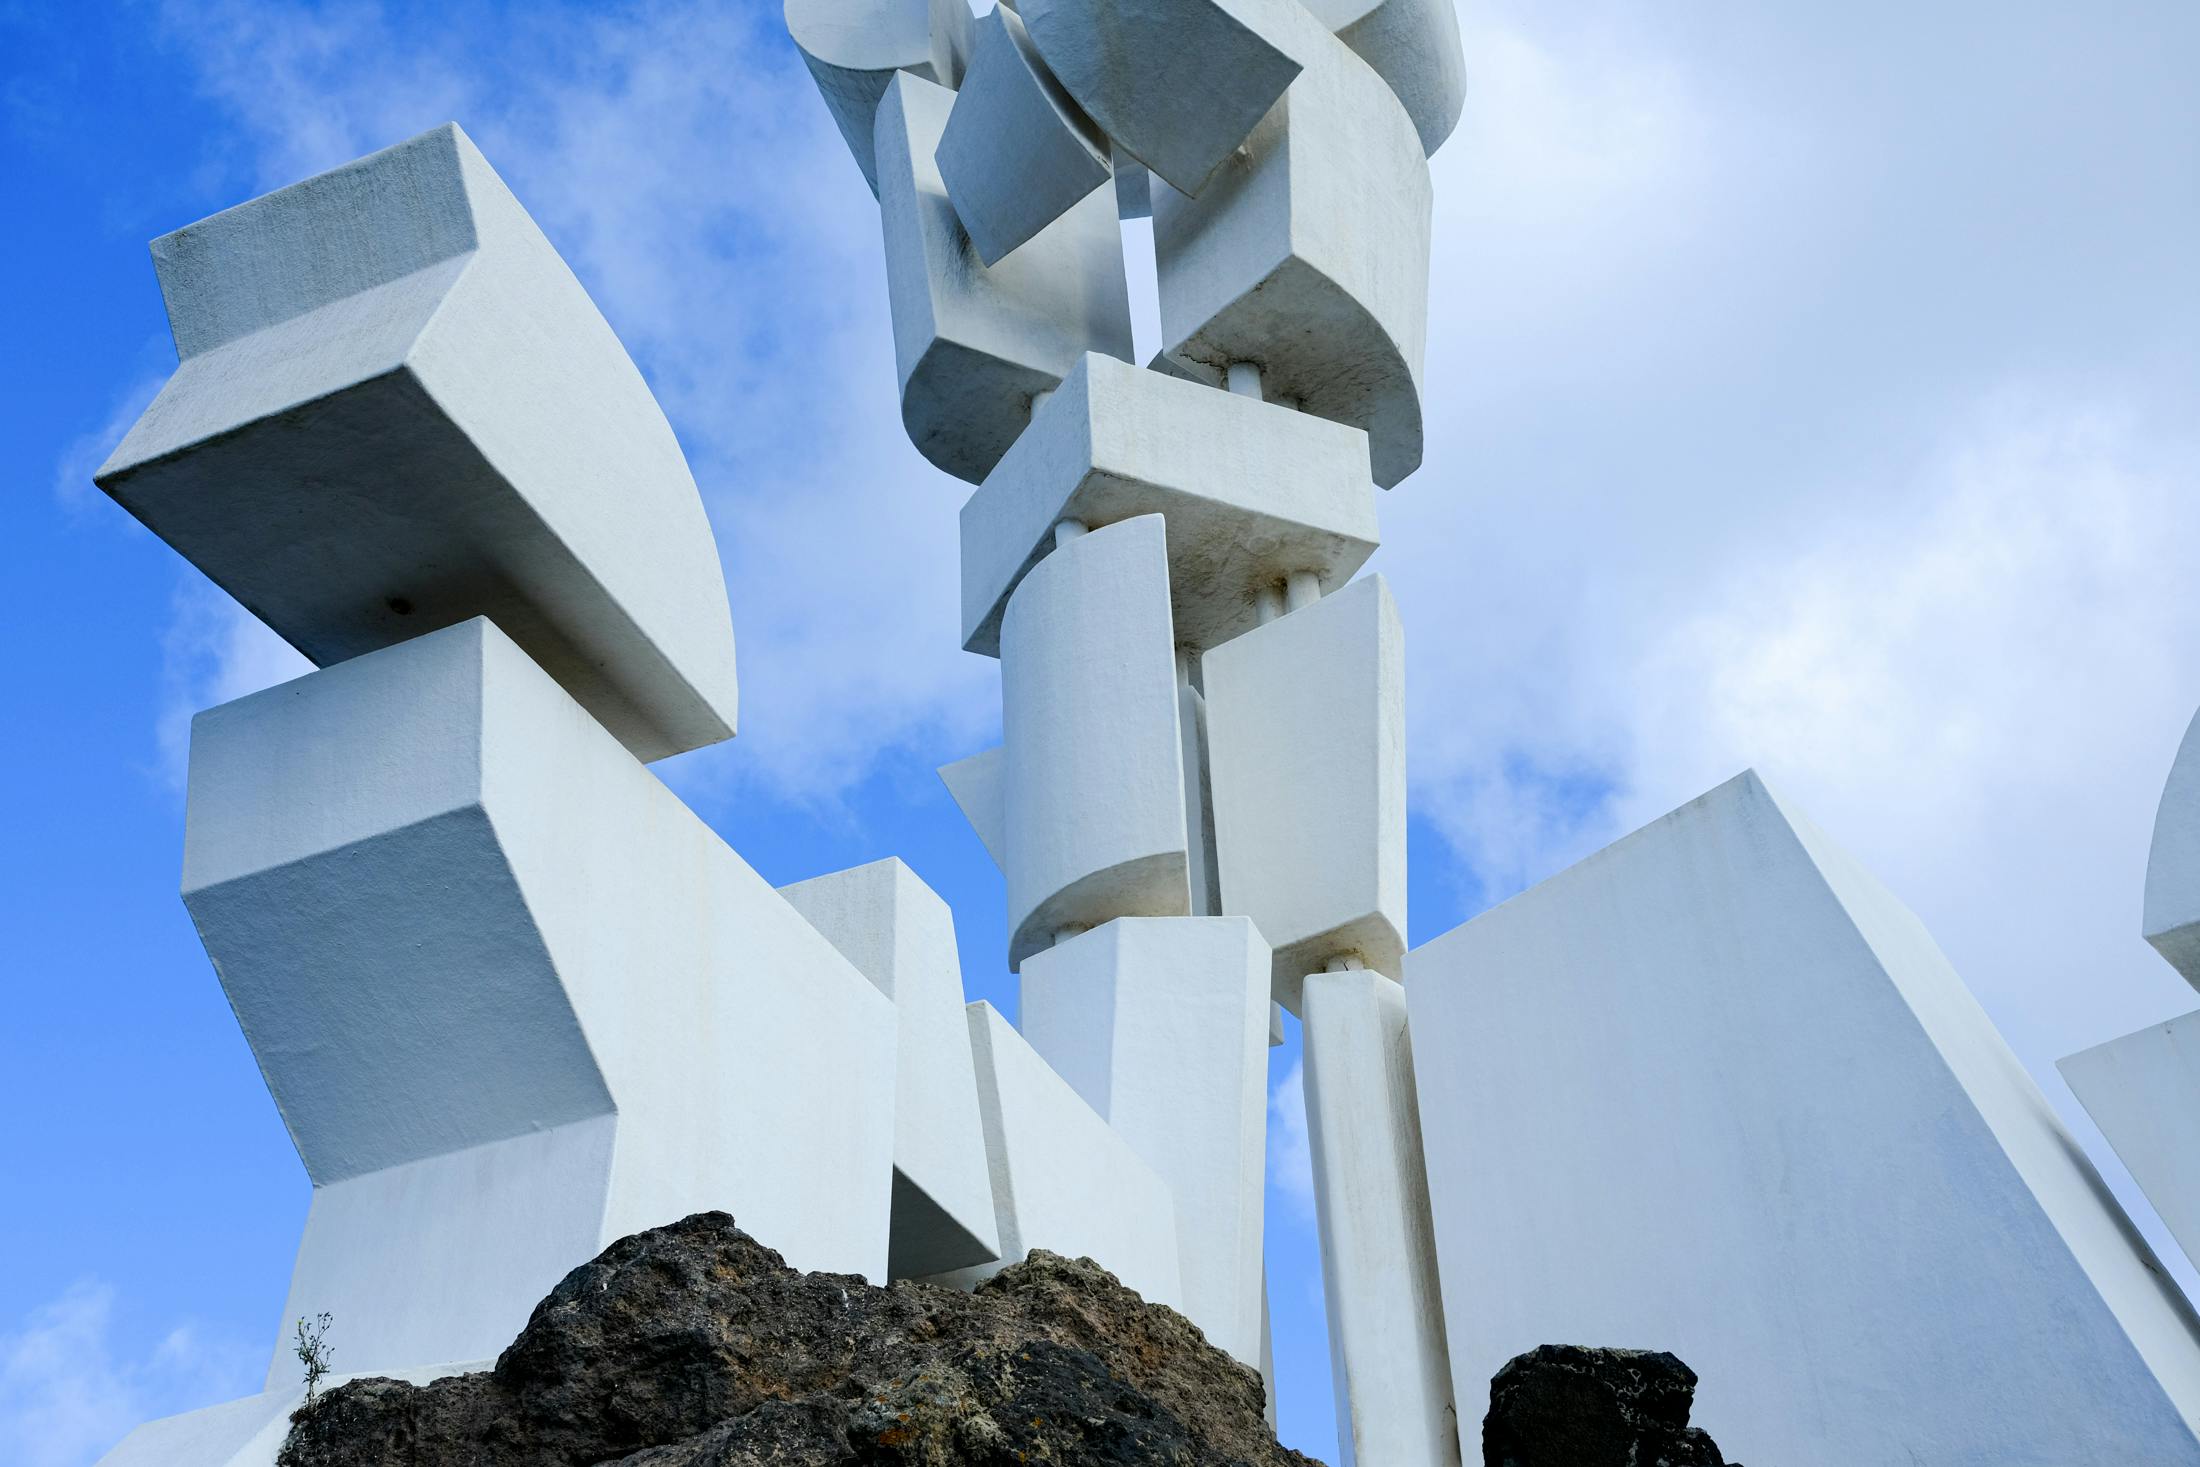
[[313, 1352]]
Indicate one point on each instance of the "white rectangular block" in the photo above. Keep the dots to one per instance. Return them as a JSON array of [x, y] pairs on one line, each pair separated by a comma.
[[854, 47], [1161, 1024], [974, 343], [1715, 1091], [900, 935], [1062, 1179], [1306, 747], [2143, 1091], [486, 959], [1252, 492], [1093, 789], [1388, 1363]]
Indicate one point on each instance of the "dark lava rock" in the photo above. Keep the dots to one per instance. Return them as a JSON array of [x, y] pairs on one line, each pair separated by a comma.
[[694, 1345], [1566, 1406]]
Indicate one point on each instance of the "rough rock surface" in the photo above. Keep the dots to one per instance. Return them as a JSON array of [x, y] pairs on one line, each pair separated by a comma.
[[1567, 1406], [694, 1345]]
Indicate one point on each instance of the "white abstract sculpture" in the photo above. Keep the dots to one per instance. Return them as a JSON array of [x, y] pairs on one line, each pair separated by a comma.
[[2171, 920], [1414, 46], [854, 47]]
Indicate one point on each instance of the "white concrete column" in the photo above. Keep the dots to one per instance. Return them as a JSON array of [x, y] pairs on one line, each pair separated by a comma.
[[1301, 588], [1243, 378]]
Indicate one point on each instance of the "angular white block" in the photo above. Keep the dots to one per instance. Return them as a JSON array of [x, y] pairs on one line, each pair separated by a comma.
[[1199, 818], [1306, 754], [1018, 153], [1161, 1024], [1092, 796], [1714, 1090], [1252, 492], [513, 999], [900, 935], [1307, 255], [1062, 1179], [973, 344], [397, 409], [1177, 83], [854, 47], [975, 783], [2143, 1091], [1414, 46], [2172, 913], [1388, 1364], [248, 1432]]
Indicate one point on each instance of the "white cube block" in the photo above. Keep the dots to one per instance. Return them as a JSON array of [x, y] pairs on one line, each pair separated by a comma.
[[1161, 1024], [2143, 1091], [1714, 1090], [1388, 1364], [1018, 153], [854, 47], [1307, 255], [2171, 919], [1063, 1180], [1252, 492], [397, 409], [513, 999], [973, 344], [1092, 797], [900, 935], [1414, 46], [1306, 751], [1178, 83]]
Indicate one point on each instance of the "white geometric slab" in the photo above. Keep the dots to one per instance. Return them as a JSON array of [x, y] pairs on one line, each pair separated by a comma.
[[900, 935], [397, 409], [1306, 752], [854, 47], [1161, 1024], [1414, 46], [1388, 1364], [1177, 83], [2172, 913], [975, 784], [974, 344], [1252, 492], [1715, 1091], [513, 999], [2143, 1091], [1307, 255], [1063, 1180], [1093, 789], [1018, 153]]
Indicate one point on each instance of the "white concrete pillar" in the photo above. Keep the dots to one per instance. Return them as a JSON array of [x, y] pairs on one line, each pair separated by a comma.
[[1243, 378]]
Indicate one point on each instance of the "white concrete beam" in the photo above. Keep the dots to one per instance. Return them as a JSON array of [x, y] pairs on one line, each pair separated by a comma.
[[397, 410], [854, 47], [973, 345], [1252, 492]]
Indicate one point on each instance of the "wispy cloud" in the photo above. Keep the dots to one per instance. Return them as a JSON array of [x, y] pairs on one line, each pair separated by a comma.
[[212, 652], [69, 1390], [1290, 1150]]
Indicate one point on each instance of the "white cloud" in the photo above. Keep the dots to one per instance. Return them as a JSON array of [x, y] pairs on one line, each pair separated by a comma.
[[68, 1393], [1290, 1150], [212, 651], [81, 458]]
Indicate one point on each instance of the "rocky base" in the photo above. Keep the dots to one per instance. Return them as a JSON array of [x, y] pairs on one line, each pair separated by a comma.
[[694, 1345], [1566, 1406]]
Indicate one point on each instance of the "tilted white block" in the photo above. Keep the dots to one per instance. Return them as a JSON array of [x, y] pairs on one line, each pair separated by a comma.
[[1018, 153], [397, 409], [513, 999], [1715, 1091], [1062, 1179], [1161, 1024], [854, 47], [1306, 754], [1388, 1364], [900, 935], [975, 783], [248, 1432], [974, 344], [1307, 254], [1199, 821], [1253, 492], [2172, 908], [2143, 1091], [1092, 796], [1178, 83], [1414, 46]]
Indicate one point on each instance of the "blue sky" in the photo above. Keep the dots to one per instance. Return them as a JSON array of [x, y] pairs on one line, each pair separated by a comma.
[[1811, 387]]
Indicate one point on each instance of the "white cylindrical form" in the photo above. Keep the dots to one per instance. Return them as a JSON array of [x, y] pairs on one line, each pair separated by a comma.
[[1093, 794], [1068, 530], [1243, 378], [1301, 589]]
